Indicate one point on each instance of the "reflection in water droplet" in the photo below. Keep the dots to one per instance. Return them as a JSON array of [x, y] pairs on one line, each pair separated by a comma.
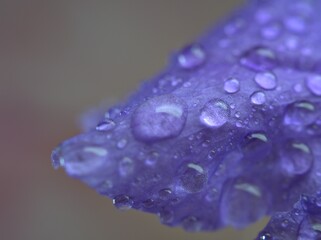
[[193, 178], [215, 113], [299, 114], [314, 84], [259, 59], [296, 158], [266, 80], [191, 57], [258, 98], [232, 85], [123, 202], [159, 118]]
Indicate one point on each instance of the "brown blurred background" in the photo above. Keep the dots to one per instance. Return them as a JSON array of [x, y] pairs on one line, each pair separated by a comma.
[[57, 59]]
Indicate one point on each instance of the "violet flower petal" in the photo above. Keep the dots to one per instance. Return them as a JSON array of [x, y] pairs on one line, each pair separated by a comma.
[[228, 133]]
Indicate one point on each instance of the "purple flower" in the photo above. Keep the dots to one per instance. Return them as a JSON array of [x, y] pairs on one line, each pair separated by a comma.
[[227, 134]]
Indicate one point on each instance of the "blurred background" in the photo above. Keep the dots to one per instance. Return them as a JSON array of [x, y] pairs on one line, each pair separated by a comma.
[[57, 59]]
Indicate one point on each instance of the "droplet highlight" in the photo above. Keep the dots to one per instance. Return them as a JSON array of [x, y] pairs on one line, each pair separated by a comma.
[[313, 83], [191, 57], [266, 80], [215, 113], [232, 85], [193, 178], [258, 98], [259, 59], [123, 202]]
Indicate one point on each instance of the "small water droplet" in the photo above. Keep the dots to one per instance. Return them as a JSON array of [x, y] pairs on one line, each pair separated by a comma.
[[259, 59], [266, 80], [123, 202], [296, 158], [295, 24], [165, 193], [232, 85], [149, 203], [106, 125], [215, 113], [265, 236], [285, 223], [299, 114], [256, 143], [314, 84], [191, 224], [191, 56], [166, 216], [126, 166], [151, 158], [271, 31], [56, 159], [121, 144], [298, 88], [258, 98], [159, 118], [193, 177]]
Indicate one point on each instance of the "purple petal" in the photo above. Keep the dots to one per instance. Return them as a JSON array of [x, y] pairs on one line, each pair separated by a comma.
[[228, 133]]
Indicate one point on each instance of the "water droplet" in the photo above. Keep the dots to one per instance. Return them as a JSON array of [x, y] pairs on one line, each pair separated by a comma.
[[126, 166], [165, 193], [191, 56], [151, 158], [105, 126], [149, 203], [242, 203], [191, 224], [258, 98], [285, 223], [266, 80], [232, 85], [296, 158], [121, 144], [166, 216], [271, 31], [215, 113], [105, 187], [314, 84], [159, 118], [56, 159], [259, 59], [265, 236], [298, 88], [123, 202], [299, 114], [295, 24], [193, 178], [80, 161], [256, 143]]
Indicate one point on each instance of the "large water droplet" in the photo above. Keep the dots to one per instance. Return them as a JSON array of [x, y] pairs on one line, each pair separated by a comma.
[[191, 57], [165, 193], [266, 80], [314, 84], [299, 114], [256, 144], [296, 158], [193, 177], [242, 203], [215, 113], [159, 118], [84, 160], [123, 202], [232, 85], [258, 98], [259, 59]]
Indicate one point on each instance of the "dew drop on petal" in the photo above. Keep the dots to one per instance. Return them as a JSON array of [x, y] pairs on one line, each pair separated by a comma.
[[193, 177], [296, 158], [299, 114], [259, 59], [126, 166], [84, 160], [314, 84], [232, 85], [271, 31], [258, 98], [123, 202], [215, 113], [191, 57], [159, 118], [191, 224], [166, 216], [106, 125], [295, 24], [242, 203], [266, 80]]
